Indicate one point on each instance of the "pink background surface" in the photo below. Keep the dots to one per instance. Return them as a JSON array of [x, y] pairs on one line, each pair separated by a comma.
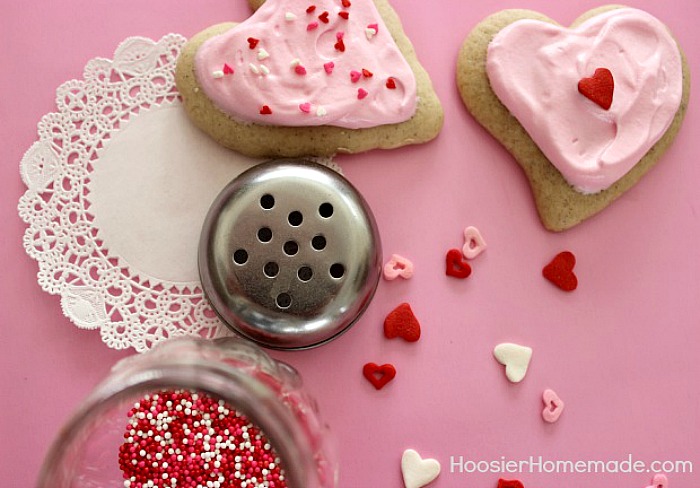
[[621, 350]]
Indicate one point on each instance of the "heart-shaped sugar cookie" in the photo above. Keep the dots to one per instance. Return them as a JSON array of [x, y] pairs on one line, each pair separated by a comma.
[[325, 83], [586, 111]]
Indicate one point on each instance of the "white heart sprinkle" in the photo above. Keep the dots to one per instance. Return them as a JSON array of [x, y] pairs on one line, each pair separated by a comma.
[[262, 54], [295, 62], [370, 32], [515, 358], [418, 472], [320, 111], [290, 16]]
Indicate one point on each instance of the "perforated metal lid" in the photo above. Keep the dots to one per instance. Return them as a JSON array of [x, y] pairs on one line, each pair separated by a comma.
[[290, 255]]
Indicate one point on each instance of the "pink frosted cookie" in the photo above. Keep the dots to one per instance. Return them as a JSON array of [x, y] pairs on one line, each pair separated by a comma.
[[586, 111], [309, 77]]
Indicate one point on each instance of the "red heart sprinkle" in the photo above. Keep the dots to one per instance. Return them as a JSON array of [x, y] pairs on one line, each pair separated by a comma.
[[252, 42], [310, 9], [510, 483], [560, 271], [343, 15], [379, 376], [340, 45], [361, 93], [346, 3], [265, 110], [323, 17], [402, 323], [300, 70], [366, 73], [598, 88], [455, 265], [227, 69], [391, 83]]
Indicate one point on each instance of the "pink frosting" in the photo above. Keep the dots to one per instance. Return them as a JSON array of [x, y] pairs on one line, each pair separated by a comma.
[[535, 67], [325, 62]]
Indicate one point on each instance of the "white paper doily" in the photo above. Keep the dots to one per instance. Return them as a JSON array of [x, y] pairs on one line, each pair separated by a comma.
[[119, 183]]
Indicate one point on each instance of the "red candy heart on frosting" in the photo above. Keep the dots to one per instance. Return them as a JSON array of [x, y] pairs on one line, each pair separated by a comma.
[[455, 265], [401, 322], [598, 88], [560, 271], [379, 376]]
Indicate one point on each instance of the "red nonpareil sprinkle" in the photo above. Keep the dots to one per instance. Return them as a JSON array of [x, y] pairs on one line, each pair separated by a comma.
[[300, 70], [329, 67], [401, 322], [379, 376], [560, 271], [366, 73], [252, 42], [599, 88], [361, 93], [310, 9], [312, 26], [323, 17], [344, 15], [227, 69], [345, 3], [455, 265], [265, 110], [197, 441]]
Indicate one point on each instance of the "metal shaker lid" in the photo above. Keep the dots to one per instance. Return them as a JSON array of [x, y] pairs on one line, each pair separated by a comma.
[[290, 255]]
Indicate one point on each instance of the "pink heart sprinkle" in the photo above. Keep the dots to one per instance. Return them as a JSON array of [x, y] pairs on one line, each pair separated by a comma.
[[375, 27], [474, 244], [305, 107], [329, 67], [300, 70], [553, 406], [312, 26], [355, 76], [398, 266], [227, 69], [659, 481], [339, 35], [361, 93]]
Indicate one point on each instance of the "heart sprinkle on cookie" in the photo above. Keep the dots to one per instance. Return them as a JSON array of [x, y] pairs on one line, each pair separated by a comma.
[[553, 408], [401, 322], [474, 244], [598, 88], [456, 266], [418, 472], [560, 271], [398, 266], [510, 483], [379, 376], [515, 358]]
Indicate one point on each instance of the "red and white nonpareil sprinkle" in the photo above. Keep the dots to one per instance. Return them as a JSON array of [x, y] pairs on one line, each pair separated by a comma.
[[188, 440]]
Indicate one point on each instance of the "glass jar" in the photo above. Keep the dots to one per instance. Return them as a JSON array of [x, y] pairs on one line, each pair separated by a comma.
[[267, 392]]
